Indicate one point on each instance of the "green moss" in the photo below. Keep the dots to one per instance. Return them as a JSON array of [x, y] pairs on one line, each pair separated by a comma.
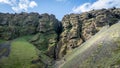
[[35, 38], [44, 58], [53, 44], [21, 55], [24, 38], [44, 40], [118, 62], [2, 41], [6, 35], [118, 49], [118, 42], [100, 45]]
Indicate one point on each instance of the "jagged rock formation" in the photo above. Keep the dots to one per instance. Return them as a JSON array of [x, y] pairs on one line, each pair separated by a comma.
[[46, 38], [100, 51], [77, 28], [71, 35], [15, 25], [44, 27], [93, 21], [56, 39]]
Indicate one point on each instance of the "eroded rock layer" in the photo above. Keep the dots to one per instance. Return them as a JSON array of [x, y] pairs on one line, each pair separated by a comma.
[[77, 28], [16, 25]]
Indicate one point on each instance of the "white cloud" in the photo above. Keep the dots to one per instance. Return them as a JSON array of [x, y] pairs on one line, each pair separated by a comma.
[[5, 1], [32, 4], [99, 4], [19, 5]]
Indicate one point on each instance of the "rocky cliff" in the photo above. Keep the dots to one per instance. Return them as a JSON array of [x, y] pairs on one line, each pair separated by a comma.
[[100, 51], [45, 30], [56, 39], [47, 37], [77, 28], [15, 25]]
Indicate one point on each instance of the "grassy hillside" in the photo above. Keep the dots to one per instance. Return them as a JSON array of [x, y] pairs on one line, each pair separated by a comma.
[[101, 51], [22, 54]]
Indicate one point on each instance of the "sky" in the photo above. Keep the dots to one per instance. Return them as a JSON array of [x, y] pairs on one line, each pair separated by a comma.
[[57, 7]]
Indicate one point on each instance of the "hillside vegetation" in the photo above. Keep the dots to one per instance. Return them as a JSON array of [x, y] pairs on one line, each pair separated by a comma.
[[100, 51], [22, 53], [86, 40]]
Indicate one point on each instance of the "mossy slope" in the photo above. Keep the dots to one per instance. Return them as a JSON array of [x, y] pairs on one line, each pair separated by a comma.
[[101, 51], [21, 55]]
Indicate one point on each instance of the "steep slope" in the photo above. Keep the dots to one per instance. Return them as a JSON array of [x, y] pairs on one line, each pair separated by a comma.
[[47, 37], [77, 28], [100, 51]]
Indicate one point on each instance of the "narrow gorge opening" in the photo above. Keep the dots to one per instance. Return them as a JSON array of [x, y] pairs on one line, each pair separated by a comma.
[[58, 30]]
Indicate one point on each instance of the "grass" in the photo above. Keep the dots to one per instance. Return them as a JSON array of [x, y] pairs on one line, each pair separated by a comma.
[[21, 55], [24, 38], [2, 41]]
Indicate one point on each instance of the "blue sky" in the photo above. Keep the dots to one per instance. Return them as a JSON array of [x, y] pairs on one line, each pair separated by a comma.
[[56, 7]]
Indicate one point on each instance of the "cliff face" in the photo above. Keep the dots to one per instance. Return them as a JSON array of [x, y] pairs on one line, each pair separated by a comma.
[[70, 38], [45, 30], [45, 27], [100, 51], [16, 25], [46, 38], [56, 39], [77, 28]]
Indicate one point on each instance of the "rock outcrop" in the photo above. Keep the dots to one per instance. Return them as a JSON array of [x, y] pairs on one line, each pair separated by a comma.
[[100, 51], [46, 39], [77, 28], [16, 25], [55, 39], [45, 28], [70, 38]]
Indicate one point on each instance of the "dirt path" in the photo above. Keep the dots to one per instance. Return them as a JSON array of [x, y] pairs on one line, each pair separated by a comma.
[[4, 49]]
